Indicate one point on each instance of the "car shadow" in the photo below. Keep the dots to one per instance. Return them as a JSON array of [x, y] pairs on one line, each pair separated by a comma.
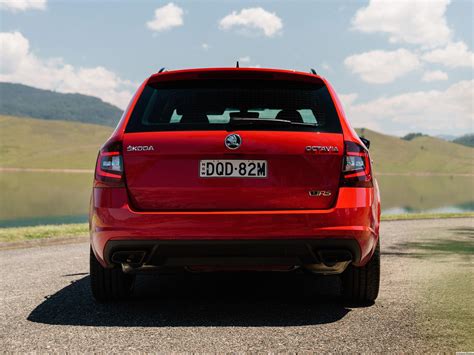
[[214, 299]]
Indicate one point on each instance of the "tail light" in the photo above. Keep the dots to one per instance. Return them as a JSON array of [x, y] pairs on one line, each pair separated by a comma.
[[109, 167], [356, 169]]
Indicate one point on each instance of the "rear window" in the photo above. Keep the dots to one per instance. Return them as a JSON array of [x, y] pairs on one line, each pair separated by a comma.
[[223, 105]]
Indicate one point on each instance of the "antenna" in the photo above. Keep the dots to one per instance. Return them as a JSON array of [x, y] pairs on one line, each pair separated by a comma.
[[313, 71], [237, 65], [161, 70]]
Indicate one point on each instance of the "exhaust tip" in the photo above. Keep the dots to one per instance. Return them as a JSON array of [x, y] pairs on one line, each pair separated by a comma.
[[128, 257], [333, 257]]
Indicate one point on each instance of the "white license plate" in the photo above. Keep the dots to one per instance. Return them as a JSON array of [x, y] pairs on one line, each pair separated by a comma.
[[233, 168]]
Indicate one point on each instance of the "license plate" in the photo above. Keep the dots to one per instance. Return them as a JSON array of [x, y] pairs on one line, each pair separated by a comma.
[[233, 168]]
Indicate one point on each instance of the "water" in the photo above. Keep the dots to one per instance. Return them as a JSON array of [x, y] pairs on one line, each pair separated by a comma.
[[31, 198]]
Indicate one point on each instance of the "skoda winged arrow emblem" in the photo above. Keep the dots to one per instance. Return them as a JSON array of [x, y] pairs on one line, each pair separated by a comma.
[[233, 141]]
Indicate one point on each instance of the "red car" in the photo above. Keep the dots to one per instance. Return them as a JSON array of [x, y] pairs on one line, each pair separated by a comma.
[[234, 169]]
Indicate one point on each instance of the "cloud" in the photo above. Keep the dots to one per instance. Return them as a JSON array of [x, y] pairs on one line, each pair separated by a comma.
[[205, 46], [415, 22], [253, 18], [245, 59], [434, 75], [381, 67], [326, 66], [166, 17], [434, 111], [348, 99], [453, 55], [22, 5], [19, 65]]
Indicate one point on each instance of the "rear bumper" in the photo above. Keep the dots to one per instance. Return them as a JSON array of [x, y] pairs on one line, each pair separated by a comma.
[[354, 222], [169, 253]]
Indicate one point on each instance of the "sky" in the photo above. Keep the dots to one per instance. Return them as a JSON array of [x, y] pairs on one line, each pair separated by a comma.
[[398, 66]]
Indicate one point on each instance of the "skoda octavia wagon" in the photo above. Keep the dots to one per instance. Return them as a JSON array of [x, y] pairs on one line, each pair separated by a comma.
[[234, 169]]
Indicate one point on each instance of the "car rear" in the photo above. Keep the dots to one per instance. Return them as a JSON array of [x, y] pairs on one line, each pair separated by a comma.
[[217, 169]]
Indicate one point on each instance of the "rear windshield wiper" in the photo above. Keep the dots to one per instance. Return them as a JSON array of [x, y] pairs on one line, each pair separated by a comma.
[[267, 121]]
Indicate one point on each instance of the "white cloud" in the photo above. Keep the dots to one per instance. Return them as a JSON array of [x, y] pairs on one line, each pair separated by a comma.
[[380, 67], [416, 22], [434, 111], [326, 66], [23, 5], [348, 99], [245, 59], [453, 55], [434, 75], [19, 65], [205, 46], [253, 18], [166, 17]]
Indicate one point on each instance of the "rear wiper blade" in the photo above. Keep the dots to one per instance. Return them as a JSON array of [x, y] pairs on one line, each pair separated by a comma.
[[269, 121]]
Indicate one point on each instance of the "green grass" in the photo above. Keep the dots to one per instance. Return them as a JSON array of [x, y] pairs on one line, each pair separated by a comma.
[[16, 234], [449, 300], [37, 143], [402, 217], [420, 155]]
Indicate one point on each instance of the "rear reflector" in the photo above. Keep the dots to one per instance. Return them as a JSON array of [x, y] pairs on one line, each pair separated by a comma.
[[356, 169]]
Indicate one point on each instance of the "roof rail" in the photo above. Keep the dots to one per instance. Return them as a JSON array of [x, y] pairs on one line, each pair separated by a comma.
[[312, 71], [162, 70]]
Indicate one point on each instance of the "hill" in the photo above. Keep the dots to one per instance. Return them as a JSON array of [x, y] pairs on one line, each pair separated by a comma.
[[467, 140], [423, 154], [26, 101], [35, 143]]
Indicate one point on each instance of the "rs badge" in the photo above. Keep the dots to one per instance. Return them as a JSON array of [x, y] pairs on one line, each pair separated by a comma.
[[317, 193]]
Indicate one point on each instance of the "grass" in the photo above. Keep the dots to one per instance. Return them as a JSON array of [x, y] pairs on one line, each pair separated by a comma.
[[18, 234], [402, 217], [37, 143], [420, 155], [449, 300]]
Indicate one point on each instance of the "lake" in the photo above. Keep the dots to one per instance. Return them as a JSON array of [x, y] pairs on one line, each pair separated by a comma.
[[33, 198]]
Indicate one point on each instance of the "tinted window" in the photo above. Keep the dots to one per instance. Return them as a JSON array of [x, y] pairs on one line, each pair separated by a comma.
[[218, 104]]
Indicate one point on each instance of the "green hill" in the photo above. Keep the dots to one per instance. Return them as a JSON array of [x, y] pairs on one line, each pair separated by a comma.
[[36, 143], [467, 140], [422, 154], [26, 101]]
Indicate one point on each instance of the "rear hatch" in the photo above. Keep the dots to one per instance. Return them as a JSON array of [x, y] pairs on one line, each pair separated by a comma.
[[177, 147]]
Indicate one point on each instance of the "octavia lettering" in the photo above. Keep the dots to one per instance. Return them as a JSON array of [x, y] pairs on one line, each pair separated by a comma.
[[321, 149]]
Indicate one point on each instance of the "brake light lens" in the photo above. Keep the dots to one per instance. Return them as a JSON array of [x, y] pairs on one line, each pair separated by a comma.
[[109, 167], [356, 169]]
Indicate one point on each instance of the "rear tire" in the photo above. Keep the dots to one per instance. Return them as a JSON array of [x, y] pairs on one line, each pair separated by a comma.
[[360, 285], [109, 284]]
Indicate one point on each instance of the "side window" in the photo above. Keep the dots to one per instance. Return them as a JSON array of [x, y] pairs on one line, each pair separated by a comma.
[[308, 116]]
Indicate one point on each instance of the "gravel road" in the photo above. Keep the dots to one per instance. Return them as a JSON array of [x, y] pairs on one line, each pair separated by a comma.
[[46, 303]]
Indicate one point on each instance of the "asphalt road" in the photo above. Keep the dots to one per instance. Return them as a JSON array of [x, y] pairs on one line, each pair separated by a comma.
[[46, 303]]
